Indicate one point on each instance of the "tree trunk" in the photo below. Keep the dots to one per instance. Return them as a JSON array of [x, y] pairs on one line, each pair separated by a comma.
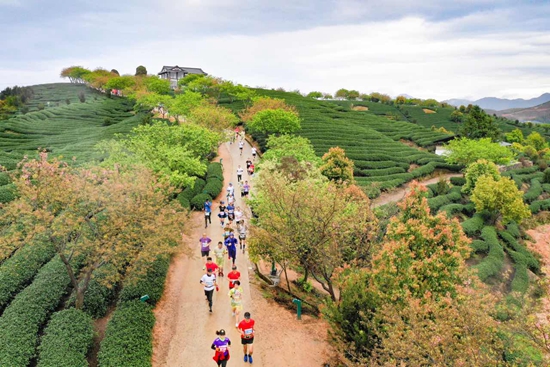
[[306, 274], [286, 278], [70, 271], [80, 290]]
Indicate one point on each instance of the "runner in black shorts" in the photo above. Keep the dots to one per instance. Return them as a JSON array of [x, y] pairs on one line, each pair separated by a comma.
[[246, 327]]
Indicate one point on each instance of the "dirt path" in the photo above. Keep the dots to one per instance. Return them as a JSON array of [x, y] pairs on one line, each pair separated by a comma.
[[396, 195], [541, 245], [184, 329]]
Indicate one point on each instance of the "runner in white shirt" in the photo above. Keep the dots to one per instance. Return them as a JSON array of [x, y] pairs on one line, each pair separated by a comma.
[[240, 171], [230, 190], [238, 215], [241, 146], [209, 282], [253, 152]]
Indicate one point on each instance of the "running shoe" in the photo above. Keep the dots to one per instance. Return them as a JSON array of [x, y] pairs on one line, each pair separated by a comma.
[[250, 359], [246, 357]]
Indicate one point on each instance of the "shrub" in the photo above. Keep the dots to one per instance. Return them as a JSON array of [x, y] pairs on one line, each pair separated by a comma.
[[491, 264], [128, 339], [184, 202], [535, 190], [479, 246], [21, 321], [214, 170], [4, 178], [7, 193], [213, 187], [107, 121], [67, 339], [17, 271], [190, 192], [546, 177], [527, 256], [539, 205], [151, 283], [520, 282], [197, 202], [68, 101], [458, 181], [437, 202], [452, 209], [442, 187], [513, 229], [82, 97], [473, 225], [40, 106]]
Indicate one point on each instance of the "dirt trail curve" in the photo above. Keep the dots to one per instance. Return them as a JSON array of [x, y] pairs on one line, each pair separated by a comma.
[[184, 329]]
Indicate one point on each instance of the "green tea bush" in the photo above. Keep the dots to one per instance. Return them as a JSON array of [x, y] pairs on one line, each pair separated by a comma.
[[197, 203], [436, 202], [213, 187], [520, 282], [452, 209], [530, 261], [128, 339], [513, 229], [22, 319], [458, 181], [4, 178], [546, 176], [479, 246], [7, 193], [469, 209], [546, 187], [214, 170], [473, 225], [150, 283], [492, 263], [535, 190], [539, 205], [67, 339], [17, 271]]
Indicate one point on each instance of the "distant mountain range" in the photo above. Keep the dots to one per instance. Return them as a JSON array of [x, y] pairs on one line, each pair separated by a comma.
[[500, 104], [540, 113]]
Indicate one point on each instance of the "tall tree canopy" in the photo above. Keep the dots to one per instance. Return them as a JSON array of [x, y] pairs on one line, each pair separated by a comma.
[[478, 125]]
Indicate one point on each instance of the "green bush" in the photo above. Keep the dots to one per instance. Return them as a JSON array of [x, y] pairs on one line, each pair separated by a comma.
[[546, 177], [520, 282], [190, 192], [513, 229], [539, 205], [479, 246], [452, 209], [535, 190], [184, 202], [98, 297], [67, 339], [150, 283], [17, 271], [213, 187], [473, 225], [458, 181], [437, 202], [214, 170], [546, 187], [197, 203], [21, 321], [128, 339], [530, 261], [4, 178], [7, 193], [469, 209], [492, 263]]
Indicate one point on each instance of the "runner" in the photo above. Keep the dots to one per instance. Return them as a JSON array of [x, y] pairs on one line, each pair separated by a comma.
[[253, 149], [231, 243], [238, 215], [230, 212], [219, 253], [210, 265], [242, 236], [205, 245], [207, 212], [221, 346], [227, 231], [208, 280], [239, 173], [251, 170], [230, 190], [246, 188], [231, 199], [222, 215], [241, 146], [233, 276], [236, 295], [248, 163], [246, 328]]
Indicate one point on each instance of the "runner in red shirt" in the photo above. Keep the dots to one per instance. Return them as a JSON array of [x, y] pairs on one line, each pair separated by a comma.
[[210, 265], [246, 327], [233, 276]]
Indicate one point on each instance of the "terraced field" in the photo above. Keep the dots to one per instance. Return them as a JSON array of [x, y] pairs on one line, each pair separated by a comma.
[[373, 142]]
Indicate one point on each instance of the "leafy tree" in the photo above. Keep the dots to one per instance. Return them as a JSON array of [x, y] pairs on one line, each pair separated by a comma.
[[466, 151], [100, 217], [185, 102], [120, 82], [286, 145], [176, 153], [213, 117], [477, 169], [430, 103], [236, 92], [336, 166], [141, 71], [311, 222], [115, 71], [400, 100], [157, 85], [149, 101], [274, 122], [207, 85], [379, 97], [40, 106], [500, 198], [327, 96], [515, 136], [341, 93], [265, 103], [75, 74], [353, 94], [478, 125], [457, 116], [314, 94], [537, 141], [183, 82]]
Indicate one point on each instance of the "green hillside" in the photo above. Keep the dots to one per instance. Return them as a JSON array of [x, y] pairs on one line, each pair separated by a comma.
[[371, 141], [68, 130]]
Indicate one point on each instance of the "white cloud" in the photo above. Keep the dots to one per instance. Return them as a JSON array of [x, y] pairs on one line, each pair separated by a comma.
[[411, 55]]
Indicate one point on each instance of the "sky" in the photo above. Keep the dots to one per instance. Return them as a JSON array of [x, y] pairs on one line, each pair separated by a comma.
[[428, 49]]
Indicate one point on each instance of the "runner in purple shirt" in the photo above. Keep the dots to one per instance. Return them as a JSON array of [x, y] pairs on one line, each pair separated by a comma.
[[221, 346], [246, 188], [205, 245]]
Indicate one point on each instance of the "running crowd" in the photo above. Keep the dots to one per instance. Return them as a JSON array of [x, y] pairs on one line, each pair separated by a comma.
[[229, 216]]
